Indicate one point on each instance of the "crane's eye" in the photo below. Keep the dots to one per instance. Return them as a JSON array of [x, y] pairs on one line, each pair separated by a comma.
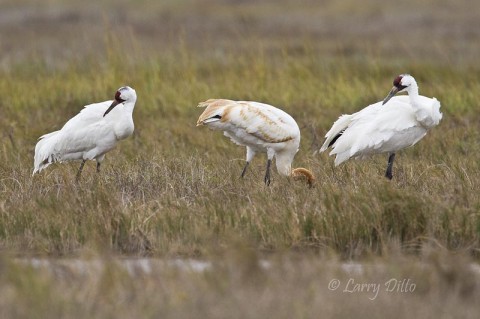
[[216, 117]]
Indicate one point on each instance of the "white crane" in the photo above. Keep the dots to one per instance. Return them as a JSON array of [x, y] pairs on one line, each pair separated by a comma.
[[384, 127], [260, 127], [90, 134]]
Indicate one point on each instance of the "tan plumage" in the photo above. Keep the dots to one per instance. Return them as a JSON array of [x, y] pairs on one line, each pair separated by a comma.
[[212, 106], [261, 128], [303, 173]]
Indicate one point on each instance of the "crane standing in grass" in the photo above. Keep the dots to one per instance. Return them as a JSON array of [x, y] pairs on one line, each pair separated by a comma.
[[90, 134], [384, 127], [260, 127]]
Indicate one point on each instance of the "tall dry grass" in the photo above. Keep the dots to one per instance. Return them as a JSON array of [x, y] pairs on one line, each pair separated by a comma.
[[173, 189]]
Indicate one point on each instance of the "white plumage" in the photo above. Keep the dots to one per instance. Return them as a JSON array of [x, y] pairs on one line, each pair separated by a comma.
[[90, 134], [384, 127], [260, 127]]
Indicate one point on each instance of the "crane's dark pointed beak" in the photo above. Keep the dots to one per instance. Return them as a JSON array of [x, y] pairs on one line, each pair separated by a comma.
[[390, 95], [115, 103]]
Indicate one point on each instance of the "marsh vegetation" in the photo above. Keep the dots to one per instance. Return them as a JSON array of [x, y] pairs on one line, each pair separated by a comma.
[[173, 190]]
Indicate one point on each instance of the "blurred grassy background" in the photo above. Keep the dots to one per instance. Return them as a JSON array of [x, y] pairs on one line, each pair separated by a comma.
[[174, 190]]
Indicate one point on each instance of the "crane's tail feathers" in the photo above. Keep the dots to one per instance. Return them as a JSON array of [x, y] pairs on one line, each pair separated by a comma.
[[44, 164], [341, 157], [323, 148], [46, 136], [336, 131], [304, 174], [44, 152]]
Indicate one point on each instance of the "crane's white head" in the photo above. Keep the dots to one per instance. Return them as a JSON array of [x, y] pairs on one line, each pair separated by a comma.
[[400, 84], [123, 95]]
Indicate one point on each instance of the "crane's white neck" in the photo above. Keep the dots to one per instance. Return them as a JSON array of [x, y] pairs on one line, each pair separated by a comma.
[[423, 114], [412, 91], [128, 107], [284, 163]]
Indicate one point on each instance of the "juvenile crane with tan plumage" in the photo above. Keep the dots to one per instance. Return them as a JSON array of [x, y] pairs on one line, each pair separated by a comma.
[[384, 127], [260, 127]]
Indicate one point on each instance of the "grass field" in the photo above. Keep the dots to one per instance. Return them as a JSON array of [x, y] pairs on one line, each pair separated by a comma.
[[173, 189]]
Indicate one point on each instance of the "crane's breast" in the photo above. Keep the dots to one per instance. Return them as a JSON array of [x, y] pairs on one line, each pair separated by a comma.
[[124, 129]]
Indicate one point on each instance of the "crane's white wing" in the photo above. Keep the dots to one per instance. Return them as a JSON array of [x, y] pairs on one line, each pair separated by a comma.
[[379, 128], [85, 131], [251, 123], [264, 121], [346, 121], [90, 114]]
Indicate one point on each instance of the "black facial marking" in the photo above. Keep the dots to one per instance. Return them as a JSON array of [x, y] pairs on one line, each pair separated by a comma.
[[216, 117]]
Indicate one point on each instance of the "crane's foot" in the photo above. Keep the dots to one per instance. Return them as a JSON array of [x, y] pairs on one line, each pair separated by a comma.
[[98, 167]]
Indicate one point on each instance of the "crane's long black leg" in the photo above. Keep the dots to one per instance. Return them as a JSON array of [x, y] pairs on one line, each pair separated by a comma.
[[388, 173], [98, 167], [80, 170], [267, 174], [244, 169]]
